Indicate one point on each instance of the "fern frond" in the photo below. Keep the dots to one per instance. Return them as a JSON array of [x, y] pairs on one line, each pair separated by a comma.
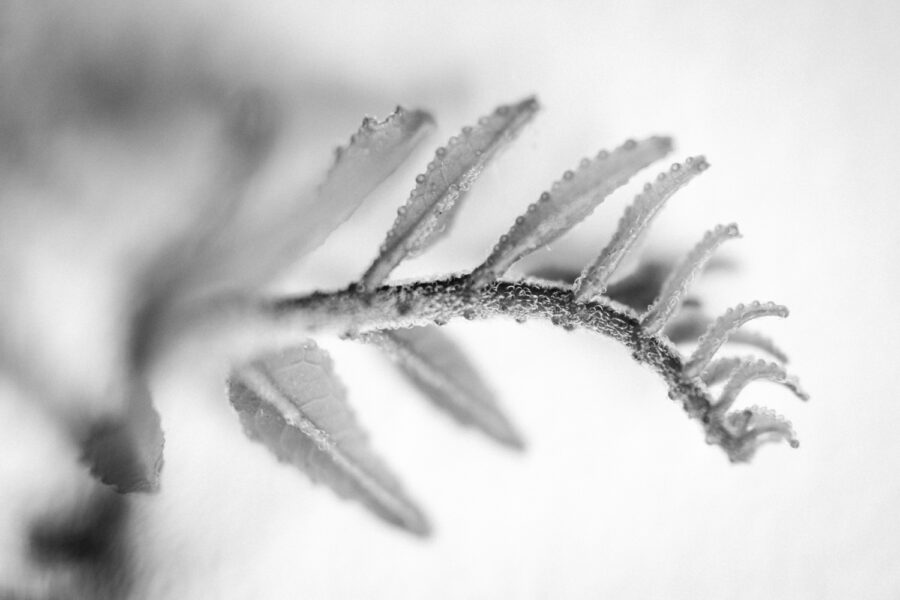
[[748, 429], [723, 327], [751, 369], [431, 205], [683, 276], [637, 218], [351, 313], [689, 327], [569, 201], [399, 318], [294, 404], [435, 365]]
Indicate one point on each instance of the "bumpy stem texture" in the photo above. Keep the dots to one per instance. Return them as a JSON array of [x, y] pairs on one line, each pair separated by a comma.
[[352, 311]]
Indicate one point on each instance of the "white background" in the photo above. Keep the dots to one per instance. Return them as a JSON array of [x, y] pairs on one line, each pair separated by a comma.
[[794, 104]]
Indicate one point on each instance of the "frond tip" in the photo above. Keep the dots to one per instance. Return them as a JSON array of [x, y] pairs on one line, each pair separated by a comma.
[[688, 327], [751, 369], [720, 330], [741, 433]]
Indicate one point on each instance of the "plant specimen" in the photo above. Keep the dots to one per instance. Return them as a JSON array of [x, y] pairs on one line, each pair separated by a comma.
[[286, 392], [207, 282], [110, 96]]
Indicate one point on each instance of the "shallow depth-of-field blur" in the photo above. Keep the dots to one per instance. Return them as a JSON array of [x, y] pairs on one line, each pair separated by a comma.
[[793, 104]]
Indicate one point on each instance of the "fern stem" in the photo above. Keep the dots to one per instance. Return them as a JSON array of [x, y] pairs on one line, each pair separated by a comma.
[[352, 311]]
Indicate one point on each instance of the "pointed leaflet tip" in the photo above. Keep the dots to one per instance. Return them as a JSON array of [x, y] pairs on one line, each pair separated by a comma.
[[637, 218], [432, 203], [683, 276], [751, 428], [719, 331], [570, 200], [751, 369], [439, 368], [374, 153], [688, 327], [294, 404]]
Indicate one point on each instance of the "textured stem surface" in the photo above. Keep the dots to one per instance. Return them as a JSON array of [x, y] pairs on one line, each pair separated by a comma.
[[351, 312]]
